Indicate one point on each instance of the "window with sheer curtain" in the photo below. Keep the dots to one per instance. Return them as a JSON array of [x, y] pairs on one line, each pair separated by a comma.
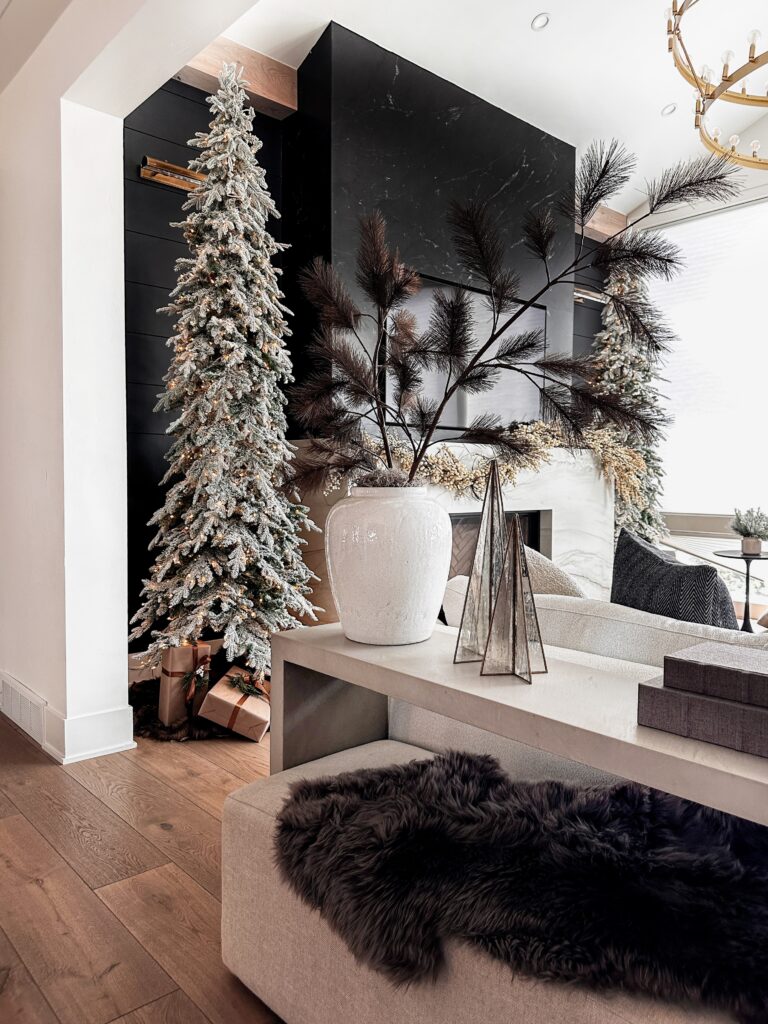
[[716, 376]]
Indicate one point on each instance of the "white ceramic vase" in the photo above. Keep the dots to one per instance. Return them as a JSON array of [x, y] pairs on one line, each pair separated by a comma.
[[751, 546], [388, 551]]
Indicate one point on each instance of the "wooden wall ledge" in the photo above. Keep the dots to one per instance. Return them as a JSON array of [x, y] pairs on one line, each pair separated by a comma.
[[604, 223], [272, 85]]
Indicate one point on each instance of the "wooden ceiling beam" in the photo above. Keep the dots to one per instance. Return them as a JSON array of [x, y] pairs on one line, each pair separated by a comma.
[[271, 85], [604, 223]]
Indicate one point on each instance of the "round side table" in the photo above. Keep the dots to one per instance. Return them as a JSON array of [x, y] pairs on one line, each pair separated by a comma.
[[749, 559]]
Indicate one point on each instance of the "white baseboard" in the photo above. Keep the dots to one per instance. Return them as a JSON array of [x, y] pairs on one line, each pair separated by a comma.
[[72, 758], [66, 739], [85, 736]]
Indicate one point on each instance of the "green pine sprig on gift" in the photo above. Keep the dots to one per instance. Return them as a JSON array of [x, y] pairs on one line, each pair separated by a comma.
[[251, 683], [202, 680]]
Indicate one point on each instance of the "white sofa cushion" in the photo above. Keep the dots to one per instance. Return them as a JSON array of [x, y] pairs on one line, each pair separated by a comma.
[[599, 627]]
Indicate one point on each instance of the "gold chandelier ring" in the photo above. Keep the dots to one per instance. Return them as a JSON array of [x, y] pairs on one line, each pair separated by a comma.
[[709, 93]]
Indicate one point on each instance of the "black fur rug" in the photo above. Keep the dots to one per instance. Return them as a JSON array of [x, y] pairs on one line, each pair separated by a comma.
[[144, 699], [620, 887]]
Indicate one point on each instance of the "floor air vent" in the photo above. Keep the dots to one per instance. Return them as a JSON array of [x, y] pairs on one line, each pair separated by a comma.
[[22, 706]]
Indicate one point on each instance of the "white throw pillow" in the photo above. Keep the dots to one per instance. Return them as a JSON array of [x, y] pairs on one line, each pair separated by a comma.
[[453, 599], [546, 578]]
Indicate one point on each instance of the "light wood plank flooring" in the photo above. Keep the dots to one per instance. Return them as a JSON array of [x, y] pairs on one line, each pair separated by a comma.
[[110, 884]]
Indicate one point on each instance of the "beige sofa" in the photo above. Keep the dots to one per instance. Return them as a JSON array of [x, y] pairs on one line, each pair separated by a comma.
[[292, 960]]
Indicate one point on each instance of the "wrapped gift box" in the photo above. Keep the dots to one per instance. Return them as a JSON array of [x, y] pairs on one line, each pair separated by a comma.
[[143, 665], [243, 713], [178, 663]]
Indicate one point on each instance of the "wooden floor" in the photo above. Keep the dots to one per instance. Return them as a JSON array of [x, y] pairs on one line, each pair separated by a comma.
[[110, 884]]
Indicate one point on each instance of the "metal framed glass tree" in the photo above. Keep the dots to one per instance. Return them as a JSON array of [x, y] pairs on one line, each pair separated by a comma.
[[514, 644], [499, 626], [484, 578]]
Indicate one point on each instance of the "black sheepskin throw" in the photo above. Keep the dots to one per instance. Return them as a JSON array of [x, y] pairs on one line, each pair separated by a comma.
[[617, 888], [144, 698]]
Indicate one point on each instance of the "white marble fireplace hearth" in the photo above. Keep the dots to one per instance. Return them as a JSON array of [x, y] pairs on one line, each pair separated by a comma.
[[574, 499], [577, 507]]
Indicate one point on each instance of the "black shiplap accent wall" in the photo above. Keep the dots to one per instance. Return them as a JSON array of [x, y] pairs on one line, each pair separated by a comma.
[[160, 127]]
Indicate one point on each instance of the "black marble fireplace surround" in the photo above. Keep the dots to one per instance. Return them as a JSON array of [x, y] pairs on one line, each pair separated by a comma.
[[376, 131], [372, 131]]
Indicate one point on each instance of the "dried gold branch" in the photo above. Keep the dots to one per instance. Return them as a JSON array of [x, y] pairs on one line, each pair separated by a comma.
[[444, 467]]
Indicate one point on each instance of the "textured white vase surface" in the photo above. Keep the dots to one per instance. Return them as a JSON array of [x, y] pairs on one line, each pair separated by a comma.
[[388, 551]]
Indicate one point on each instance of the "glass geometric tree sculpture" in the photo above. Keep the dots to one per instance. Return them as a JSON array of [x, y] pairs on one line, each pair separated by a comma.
[[514, 644], [487, 566]]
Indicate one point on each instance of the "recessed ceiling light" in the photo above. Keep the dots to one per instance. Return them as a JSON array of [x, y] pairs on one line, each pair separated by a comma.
[[540, 22], [668, 110]]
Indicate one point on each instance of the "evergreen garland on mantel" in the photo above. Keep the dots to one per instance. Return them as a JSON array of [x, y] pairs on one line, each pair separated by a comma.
[[228, 539], [625, 369]]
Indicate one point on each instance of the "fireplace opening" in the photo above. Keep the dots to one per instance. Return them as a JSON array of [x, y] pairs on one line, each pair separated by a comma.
[[465, 529]]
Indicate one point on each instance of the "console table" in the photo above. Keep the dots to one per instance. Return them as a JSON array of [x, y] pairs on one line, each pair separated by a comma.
[[329, 694]]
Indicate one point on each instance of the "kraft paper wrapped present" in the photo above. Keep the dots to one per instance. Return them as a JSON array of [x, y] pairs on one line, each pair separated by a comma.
[[143, 665], [176, 686], [242, 713]]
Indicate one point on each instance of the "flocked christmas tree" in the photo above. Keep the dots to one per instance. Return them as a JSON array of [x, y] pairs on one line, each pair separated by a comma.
[[626, 369], [228, 538]]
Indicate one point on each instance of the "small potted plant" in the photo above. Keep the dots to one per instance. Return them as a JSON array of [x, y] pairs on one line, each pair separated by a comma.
[[752, 527]]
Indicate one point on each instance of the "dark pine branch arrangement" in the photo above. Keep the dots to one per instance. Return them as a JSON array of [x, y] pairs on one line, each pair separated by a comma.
[[372, 362]]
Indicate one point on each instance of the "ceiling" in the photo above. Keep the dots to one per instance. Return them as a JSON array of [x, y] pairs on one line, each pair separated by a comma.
[[599, 70], [23, 23]]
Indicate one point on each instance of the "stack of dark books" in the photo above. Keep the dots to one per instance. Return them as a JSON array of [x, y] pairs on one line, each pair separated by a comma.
[[712, 692]]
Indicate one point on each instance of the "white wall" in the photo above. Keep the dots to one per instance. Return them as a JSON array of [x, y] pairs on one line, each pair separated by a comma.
[[62, 389], [93, 382]]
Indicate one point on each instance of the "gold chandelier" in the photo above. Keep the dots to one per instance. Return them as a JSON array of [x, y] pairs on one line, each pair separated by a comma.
[[730, 86]]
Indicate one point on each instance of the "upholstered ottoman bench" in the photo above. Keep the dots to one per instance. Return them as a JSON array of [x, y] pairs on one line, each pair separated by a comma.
[[289, 957]]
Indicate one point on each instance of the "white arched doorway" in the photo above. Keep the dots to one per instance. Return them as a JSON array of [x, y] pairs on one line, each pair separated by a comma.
[[62, 376]]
